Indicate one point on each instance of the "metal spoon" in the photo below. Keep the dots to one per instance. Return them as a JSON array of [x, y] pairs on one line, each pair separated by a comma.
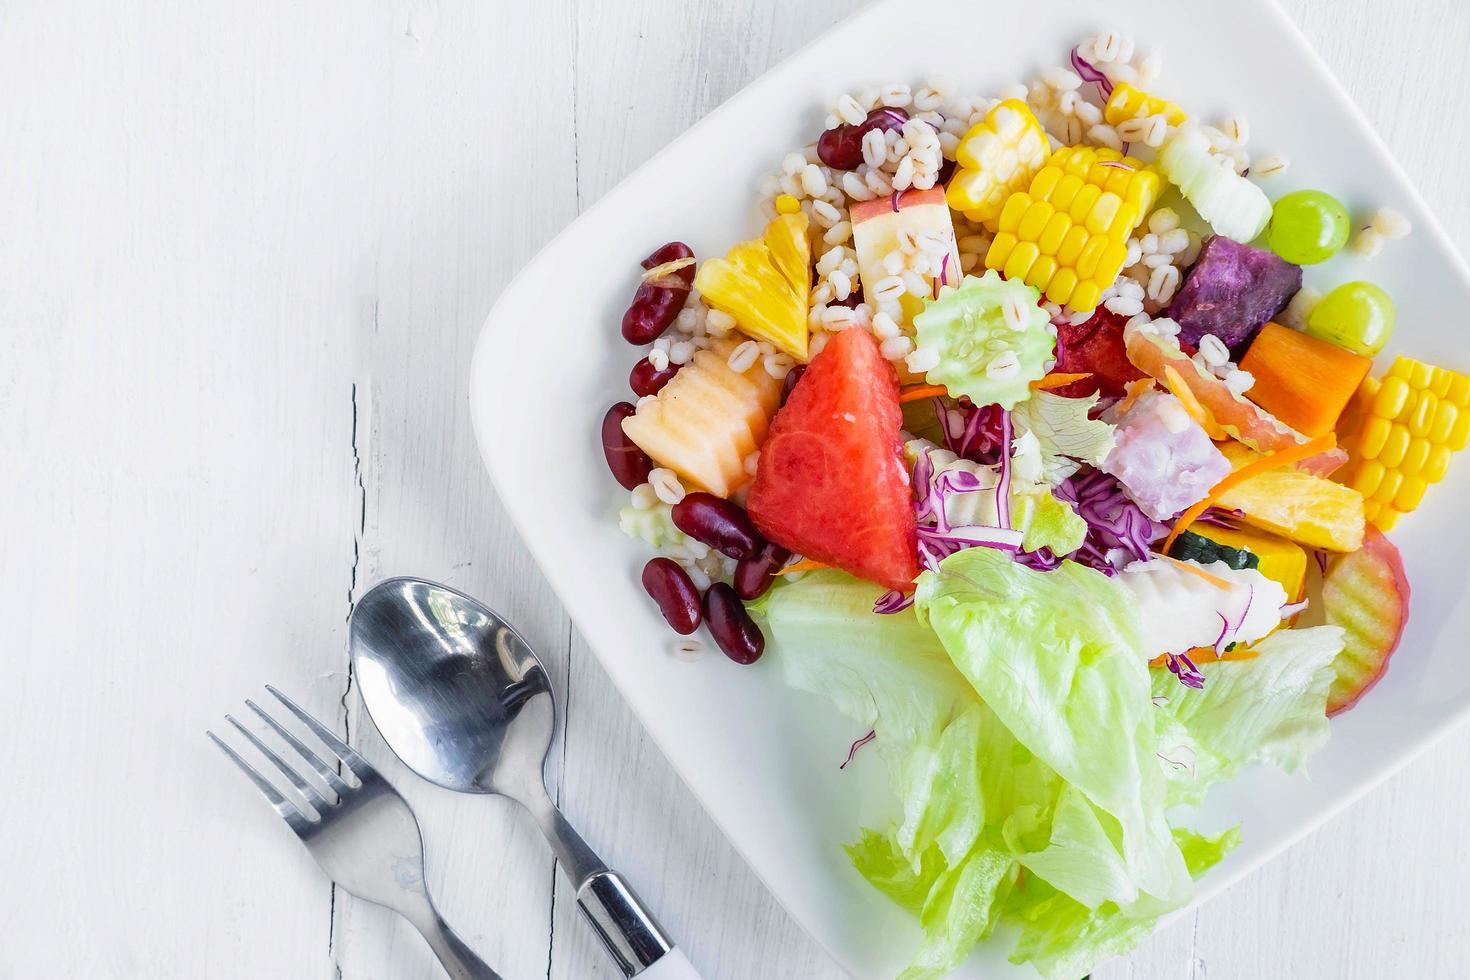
[[463, 701]]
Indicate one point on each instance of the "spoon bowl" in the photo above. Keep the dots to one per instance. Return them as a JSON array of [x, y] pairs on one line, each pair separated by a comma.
[[459, 694]]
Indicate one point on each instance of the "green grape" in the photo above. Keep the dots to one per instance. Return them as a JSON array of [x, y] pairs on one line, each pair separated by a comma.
[[1307, 227], [1356, 315]]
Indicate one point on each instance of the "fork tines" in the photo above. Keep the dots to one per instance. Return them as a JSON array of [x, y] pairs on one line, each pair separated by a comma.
[[346, 756]]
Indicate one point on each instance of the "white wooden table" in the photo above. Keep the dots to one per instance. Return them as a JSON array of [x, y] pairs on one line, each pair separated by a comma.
[[244, 253]]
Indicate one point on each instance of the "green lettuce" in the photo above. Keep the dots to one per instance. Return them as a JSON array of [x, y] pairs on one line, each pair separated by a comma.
[[1271, 708], [1065, 435], [1026, 741], [1058, 656]]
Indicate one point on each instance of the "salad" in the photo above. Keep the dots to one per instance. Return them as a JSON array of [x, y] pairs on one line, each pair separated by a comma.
[[1019, 437]]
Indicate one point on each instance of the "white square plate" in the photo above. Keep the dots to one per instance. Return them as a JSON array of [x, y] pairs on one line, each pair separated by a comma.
[[762, 759]]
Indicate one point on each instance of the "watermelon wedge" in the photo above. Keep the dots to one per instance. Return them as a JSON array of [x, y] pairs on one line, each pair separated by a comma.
[[831, 483]]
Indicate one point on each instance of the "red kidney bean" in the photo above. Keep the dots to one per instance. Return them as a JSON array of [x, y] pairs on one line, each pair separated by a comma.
[[731, 626], [792, 377], [718, 523], [645, 379], [658, 301], [841, 147], [630, 465], [673, 590], [754, 576]]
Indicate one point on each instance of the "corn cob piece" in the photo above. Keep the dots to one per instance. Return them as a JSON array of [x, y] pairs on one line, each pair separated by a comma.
[[1130, 102], [1400, 434], [1234, 207], [999, 155], [1067, 234]]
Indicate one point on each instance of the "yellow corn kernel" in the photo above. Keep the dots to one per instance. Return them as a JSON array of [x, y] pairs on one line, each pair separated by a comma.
[[1110, 263], [1011, 212], [1439, 381], [1077, 164], [1402, 367], [1460, 433], [1124, 221], [1394, 397], [1100, 217], [1422, 418], [1385, 520], [1419, 374], [1050, 239], [1131, 102], [1083, 202], [1368, 477], [1045, 182], [786, 204], [1033, 222], [1065, 192], [1084, 297], [1106, 153], [1392, 480], [1000, 250], [1415, 459], [1374, 435], [1143, 190], [1459, 392], [1394, 447], [1041, 272], [1409, 495], [1437, 465], [1091, 254], [1445, 415], [1020, 259], [1071, 246], [1062, 284]]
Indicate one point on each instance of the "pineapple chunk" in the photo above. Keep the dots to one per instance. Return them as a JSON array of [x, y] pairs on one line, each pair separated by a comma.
[[1282, 561], [707, 420], [1286, 501], [763, 284]]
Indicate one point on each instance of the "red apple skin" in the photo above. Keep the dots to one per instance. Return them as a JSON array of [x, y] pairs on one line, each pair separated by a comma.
[[1367, 594]]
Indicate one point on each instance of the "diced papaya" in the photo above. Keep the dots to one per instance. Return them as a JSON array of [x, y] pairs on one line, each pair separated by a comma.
[[1294, 504], [1280, 560], [1303, 381]]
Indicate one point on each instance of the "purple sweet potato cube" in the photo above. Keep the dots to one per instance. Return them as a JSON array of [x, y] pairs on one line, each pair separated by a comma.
[[1232, 290]]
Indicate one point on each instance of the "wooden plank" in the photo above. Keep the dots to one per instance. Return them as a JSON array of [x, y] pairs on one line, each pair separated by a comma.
[[475, 173]]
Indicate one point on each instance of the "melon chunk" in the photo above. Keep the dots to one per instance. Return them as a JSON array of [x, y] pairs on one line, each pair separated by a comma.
[[707, 420]]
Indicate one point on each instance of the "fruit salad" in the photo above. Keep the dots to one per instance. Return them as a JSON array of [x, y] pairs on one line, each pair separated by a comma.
[[1015, 433]]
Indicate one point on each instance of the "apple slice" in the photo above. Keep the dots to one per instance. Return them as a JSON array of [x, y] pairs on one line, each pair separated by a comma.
[[876, 225], [1367, 594]]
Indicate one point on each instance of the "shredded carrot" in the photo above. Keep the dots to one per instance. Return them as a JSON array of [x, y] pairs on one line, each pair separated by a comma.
[[1134, 389], [912, 393], [805, 565], [1194, 569], [1207, 655], [1196, 411], [1301, 451], [1058, 380]]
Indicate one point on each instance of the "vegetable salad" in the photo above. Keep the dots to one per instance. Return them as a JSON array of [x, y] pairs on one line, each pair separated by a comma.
[[1018, 437]]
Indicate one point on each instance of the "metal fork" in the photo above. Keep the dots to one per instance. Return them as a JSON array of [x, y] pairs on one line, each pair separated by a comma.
[[368, 841]]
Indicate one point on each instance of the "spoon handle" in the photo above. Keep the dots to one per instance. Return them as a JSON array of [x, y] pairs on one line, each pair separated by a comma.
[[629, 932]]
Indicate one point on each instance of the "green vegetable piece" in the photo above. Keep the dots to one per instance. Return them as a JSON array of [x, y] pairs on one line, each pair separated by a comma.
[[980, 354], [654, 526], [1308, 227], [1356, 315], [1195, 547]]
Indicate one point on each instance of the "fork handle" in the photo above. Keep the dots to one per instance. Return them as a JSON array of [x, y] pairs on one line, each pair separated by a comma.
[[458, 960]]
